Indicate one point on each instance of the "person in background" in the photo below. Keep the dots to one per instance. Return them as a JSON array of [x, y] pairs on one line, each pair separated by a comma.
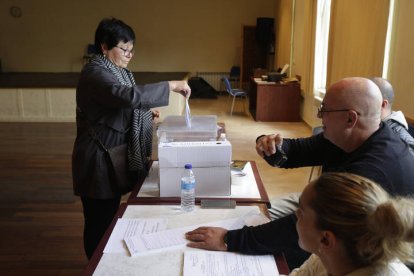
[[395, 119], [353, 140], [353, 227], [110, 102]]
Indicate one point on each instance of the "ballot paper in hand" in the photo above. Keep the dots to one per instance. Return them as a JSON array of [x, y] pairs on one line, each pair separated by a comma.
[[187, 114]]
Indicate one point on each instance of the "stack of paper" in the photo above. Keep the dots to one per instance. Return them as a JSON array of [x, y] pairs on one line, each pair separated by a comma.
[[172, 237]]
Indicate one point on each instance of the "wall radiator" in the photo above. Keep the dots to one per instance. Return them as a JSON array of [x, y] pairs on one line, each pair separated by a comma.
[[214, 79]]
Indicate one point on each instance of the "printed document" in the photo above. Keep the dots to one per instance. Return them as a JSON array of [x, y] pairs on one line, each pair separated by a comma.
[[129, 228], [172, 237], [216, 263], [176, 236]]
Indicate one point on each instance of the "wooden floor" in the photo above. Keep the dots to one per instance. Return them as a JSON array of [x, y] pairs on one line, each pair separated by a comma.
[[41, 220]]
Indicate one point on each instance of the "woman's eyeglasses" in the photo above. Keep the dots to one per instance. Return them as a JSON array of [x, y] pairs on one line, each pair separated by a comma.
[[126, 51]]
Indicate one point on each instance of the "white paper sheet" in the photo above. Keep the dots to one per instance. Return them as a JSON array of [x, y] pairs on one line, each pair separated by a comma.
[[172, 237], [129, 228], [284, 69], [175, 237], [212, 263]]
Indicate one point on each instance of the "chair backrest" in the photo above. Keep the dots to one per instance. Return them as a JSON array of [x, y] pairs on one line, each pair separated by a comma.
[[227, 84], [235, 71]]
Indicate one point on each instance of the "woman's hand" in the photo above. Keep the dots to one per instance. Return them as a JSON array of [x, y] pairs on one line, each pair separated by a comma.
[[180, 87], [155, 114], [210, 238]]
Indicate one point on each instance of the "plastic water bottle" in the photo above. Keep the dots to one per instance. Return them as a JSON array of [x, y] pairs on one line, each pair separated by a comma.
[[188, 189]]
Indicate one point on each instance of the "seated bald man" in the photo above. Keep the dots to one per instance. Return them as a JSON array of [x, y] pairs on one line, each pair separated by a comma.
[[353, 140], [395, 119]]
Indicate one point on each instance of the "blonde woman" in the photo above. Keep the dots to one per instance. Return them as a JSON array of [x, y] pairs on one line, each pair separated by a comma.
[[352, 227]]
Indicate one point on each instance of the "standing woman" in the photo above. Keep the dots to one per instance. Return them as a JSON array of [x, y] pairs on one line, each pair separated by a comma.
[[108, 103]]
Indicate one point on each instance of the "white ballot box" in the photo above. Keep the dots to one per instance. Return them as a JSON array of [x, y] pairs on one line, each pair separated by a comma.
[[180, 144], [211, 166]]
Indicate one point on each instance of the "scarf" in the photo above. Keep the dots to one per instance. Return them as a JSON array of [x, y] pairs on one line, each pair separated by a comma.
[[140, 138]]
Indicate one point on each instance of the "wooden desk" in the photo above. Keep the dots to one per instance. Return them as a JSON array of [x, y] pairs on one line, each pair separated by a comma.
[[168, 262], [273, 102], [250, 192]]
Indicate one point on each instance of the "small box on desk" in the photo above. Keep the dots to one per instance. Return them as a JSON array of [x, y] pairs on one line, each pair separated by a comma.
[[211, 165]]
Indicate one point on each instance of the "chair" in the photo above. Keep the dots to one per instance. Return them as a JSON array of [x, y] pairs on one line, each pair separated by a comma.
[[234, 76], [90, 51], [233, 92]]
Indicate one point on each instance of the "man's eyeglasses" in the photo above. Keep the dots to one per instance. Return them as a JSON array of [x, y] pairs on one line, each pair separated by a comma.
[[321, 111], [127, 52]]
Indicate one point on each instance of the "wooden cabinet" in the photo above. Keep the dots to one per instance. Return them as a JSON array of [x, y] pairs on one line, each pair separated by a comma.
[[253, 55], [270, 102]]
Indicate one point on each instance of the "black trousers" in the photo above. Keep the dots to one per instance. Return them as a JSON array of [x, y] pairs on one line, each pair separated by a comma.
[[98, 215]]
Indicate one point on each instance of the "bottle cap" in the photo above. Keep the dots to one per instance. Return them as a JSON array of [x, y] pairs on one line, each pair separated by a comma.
[[188, 166]]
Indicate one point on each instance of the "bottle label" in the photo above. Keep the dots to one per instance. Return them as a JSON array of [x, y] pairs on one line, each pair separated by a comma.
[[187, 185]]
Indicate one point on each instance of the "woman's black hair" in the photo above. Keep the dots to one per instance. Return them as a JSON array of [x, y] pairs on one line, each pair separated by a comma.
[[110, 32]]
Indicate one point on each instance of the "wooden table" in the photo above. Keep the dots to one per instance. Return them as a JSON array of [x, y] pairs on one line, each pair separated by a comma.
[[166, 262], [245, 192], [274, 102]]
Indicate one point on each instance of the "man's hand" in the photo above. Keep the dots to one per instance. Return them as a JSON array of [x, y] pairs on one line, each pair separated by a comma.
[[266, 145], [210, 238]]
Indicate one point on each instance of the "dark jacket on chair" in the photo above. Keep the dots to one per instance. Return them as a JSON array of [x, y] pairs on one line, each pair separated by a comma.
[[396, 121]]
